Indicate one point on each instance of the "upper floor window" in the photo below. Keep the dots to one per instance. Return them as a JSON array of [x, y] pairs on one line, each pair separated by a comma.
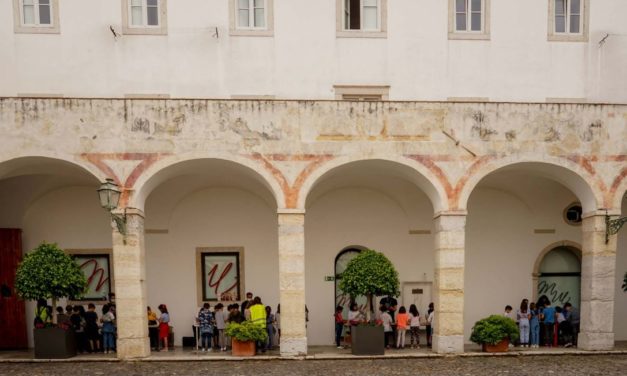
[[362, 18], [144, 16], [568, 20], [251, 14], [251, 17], [469, 19], [36, 16]]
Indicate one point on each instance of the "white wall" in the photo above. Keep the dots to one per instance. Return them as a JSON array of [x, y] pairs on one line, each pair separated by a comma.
[[304, 58], [208, 217]]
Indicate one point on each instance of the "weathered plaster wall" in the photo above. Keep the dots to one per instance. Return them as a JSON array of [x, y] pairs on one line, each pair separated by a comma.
[[305, 58]]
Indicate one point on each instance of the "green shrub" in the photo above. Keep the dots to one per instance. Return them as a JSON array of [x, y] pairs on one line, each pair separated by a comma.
[[494, 329], [246, 331], [48, 273]]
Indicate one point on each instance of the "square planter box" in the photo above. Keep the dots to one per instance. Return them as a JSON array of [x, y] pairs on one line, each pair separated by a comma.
[[54, 343], [502, 346], [367, 340]]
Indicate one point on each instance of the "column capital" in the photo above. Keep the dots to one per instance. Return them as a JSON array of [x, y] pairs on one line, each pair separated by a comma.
[[290, 211], [601, 213], [450, 213], [129, 211]]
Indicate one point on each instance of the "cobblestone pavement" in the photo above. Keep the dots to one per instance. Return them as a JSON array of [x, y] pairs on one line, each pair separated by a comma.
[[498, 365]]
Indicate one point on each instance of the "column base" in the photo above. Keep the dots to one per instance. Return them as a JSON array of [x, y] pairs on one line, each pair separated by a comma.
[[595, 341], [293, 346], [133, 348], [448, 344]]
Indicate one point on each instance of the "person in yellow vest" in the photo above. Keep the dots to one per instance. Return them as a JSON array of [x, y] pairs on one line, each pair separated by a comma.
[[258, 317], [43, 316]]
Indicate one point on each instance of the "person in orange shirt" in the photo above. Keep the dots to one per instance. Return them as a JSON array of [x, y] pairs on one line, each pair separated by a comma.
[[401, 327]]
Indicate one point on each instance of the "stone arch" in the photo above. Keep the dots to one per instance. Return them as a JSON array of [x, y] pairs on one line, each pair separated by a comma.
[[564, 171], [411, 170], [35, 163], [168, 167], [619, 189]]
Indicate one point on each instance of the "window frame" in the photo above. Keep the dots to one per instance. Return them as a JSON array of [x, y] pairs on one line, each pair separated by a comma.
[[362, 93], [36, 28], [129, 29], [380, 32], [483, 34], [97, 252], [236, 30], [567, 36]]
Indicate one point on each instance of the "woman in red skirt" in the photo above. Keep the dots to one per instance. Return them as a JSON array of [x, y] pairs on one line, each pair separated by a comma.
[[164, 326]]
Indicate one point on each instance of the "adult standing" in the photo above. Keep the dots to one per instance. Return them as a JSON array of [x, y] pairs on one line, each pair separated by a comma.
[[258, 317], [91, 328], [205, 327], [573, 319], [548, 315]]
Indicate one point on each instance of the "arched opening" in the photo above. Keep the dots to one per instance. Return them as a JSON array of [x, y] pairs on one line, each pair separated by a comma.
[[372, 202], [341, 261], [52, 200], [559, 276], [211, 236], [513, 213]]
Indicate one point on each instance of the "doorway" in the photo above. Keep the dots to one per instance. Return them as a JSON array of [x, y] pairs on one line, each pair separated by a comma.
[[418, 293]]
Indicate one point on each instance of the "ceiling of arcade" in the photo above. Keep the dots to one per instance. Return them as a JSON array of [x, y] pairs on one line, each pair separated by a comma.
[[289, 143]]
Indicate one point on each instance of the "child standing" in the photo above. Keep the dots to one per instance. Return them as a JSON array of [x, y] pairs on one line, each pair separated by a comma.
[[108, 329], [221, 325], [401, 327], [534, 325], [522, 316], [548, 314], [269, 326], [205, 327], [164, 326], [414, 326], [430, 316], [386, 320], [339, 325], [91, 328]]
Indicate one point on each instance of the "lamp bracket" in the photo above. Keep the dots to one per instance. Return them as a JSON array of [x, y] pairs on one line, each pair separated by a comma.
[[612, 226]]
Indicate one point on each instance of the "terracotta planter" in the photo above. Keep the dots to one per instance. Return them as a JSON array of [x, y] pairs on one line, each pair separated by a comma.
[[502, 346], [243, 348]]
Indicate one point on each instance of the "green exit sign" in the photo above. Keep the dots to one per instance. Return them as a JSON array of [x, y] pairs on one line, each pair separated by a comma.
[[329, 278]]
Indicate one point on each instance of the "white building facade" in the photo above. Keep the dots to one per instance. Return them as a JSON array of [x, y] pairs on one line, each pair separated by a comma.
[[479, 144]]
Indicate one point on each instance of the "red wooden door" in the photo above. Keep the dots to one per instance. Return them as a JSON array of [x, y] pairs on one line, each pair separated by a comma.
[[12, 310]]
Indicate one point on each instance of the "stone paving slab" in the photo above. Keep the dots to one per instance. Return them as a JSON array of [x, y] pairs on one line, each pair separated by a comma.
[[567, 365]]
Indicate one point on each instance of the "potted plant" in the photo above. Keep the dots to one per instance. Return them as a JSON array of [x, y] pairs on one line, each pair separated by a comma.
[[369, 274], [243, 337], [494, 333], [48, 273]]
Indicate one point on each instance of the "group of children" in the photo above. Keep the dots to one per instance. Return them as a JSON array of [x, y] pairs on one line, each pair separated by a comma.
[[93, 333], [542, 324], [212, 323], [395, 325]]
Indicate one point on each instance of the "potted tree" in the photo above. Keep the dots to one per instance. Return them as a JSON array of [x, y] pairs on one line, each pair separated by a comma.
[[243, 337], [494, 333], [369, 274], [48, 273]]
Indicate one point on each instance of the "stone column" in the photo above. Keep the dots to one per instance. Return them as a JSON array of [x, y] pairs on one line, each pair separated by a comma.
[[598, 266], [449, 282], [292, 282], [130, 288]]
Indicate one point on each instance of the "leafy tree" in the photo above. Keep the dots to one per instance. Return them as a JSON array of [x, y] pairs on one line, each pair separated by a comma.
[[48, 273], [370, 274]]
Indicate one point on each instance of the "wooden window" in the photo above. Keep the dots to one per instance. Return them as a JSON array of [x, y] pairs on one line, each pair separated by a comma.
[[251, 17], [144, 17], [568, 20], [469, 19], [362, 18], [36, 16]]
